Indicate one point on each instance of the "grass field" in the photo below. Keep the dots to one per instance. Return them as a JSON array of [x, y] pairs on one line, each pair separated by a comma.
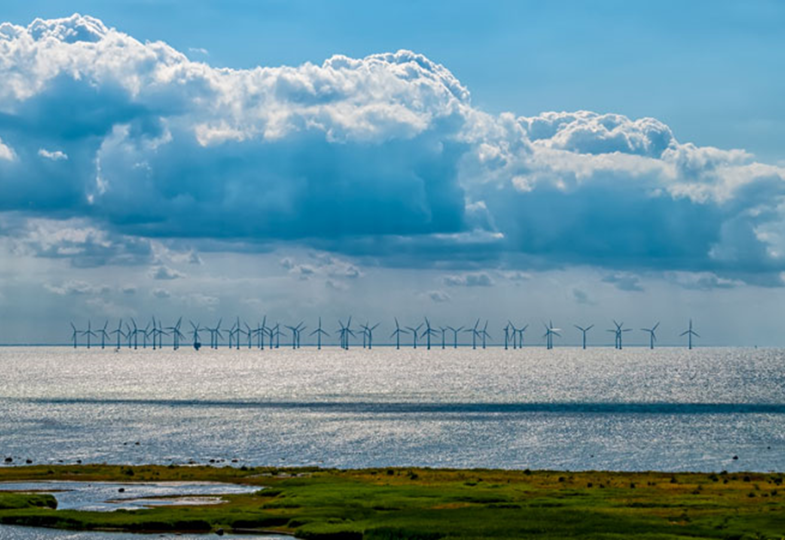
[[426, 504]]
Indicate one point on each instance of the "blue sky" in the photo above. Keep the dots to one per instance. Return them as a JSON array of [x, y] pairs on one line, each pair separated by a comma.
[[525, 160]]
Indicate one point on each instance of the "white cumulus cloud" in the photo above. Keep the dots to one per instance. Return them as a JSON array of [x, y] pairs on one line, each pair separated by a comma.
[[383, 156]]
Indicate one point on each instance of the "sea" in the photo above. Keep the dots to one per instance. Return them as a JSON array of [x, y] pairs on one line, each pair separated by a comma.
[[668, 409]]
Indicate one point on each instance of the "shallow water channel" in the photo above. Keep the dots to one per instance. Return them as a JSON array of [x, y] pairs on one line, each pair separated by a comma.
[[112, 496]]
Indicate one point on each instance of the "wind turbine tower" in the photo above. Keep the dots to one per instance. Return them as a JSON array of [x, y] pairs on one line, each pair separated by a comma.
[[319, 333], [584, 331], [455, 335], [652, 335], [397, 334], [89, 332], [414, 332], [74, 334], [428, 333], [689, 333], [104, 335]]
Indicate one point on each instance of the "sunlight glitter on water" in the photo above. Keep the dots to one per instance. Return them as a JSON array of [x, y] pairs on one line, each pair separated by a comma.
[[668, 409]]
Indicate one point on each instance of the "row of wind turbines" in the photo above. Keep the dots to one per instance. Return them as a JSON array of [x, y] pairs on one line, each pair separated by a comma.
[[239, 334]]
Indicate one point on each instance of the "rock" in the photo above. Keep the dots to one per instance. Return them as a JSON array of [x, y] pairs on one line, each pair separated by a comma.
[[735, 458], [235, 460], [78, 461], [29, 461], [219, 532], [137, 443], [9, 460], [121, 490]]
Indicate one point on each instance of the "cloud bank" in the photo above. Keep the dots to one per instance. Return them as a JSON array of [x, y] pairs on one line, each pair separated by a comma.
[[383, 156]]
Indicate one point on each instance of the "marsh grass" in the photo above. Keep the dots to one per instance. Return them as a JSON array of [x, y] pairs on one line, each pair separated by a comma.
[[431, 504]]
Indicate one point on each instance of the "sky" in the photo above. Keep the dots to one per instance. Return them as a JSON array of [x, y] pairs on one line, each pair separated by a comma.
[[520, 160]]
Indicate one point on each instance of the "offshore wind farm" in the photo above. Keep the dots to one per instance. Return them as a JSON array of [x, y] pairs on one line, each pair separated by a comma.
[[261, 334]]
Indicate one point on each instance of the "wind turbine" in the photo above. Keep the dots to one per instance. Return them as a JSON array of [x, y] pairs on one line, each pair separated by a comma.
[[176, 334], [161, 334], [455, 335], [275, 332], [295, 334], [215, 333], [119, 332], [129, 335], [618, 331], [475, 333], [520, 335], [414, 332], [249, 332], [364, 328], [345, 331], [89, 332], [583, 331], [261, 331], [104, 335], [507, 335], [428, 333], [652, 336], [319, 333], [368, 331], [485, 333], [135, 334], [442, 329], [231, 336], [195, 333], [74, 335], [550, 331], [146, 334], [397, 333], [155, 333], [689, 333]]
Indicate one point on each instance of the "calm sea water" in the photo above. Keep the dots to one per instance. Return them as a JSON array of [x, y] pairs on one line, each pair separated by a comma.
[[636, 409]]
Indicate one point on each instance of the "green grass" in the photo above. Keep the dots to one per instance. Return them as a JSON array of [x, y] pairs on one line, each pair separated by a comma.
[[430, 504]]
